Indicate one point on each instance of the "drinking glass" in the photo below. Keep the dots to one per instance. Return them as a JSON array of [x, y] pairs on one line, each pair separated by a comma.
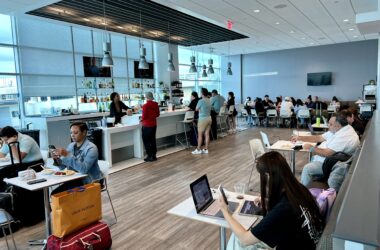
[[240, 190]]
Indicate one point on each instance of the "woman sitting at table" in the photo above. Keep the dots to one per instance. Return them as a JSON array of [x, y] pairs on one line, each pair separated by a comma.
[[291, 215], [117, 107], [81, 156]]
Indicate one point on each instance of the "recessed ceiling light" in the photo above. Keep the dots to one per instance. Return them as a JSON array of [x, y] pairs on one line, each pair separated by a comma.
[[311, 43], [351, 29], [280, 6], [256, 11], [292, 31], [346, 20], [355, 36], [120, 27], [303, 38], [277, 23], [104, 23], [86, 19]]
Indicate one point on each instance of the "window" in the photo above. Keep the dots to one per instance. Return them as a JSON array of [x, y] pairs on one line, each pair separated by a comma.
[[6, 30], [195, 81]]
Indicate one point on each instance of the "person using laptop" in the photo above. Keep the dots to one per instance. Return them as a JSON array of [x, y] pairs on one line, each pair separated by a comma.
[[291, 216], [341, 137]]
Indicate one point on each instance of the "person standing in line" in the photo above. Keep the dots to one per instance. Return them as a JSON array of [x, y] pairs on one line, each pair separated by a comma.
[[217, 101], [232, 116], [150, 112], [204, 123]]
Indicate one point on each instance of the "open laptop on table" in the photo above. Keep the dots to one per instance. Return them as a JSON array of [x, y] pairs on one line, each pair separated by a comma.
[[313, 132], [203, 200]]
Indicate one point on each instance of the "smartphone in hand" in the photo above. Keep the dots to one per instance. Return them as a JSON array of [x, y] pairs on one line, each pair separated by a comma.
[[51, 151], [223, 194]]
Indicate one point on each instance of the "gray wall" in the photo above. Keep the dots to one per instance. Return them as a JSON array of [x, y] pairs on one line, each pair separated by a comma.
[[352, 64], [231, 83]]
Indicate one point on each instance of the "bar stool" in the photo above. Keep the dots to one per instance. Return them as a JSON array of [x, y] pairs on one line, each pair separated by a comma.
[[187, 121], [221, 120]]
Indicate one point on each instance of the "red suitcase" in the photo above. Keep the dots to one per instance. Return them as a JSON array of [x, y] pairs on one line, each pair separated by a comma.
[[96, 236]]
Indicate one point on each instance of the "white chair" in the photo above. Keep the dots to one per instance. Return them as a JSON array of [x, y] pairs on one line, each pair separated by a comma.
[[231, 110], [331, 109], [286, 116], [254, 116], [187, 121], [257, 149], [302, 115], [272, 115], [244, 116], [104, 168], [5, 222]]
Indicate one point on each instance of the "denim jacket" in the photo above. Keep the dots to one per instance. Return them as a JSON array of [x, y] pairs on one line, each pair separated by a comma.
[[86, 162]]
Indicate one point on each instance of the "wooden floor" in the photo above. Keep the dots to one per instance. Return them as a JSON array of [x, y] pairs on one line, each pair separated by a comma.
[[142, 195]]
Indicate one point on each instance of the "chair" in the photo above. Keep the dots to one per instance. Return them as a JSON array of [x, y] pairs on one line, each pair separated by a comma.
[[272, 115], [286, 116], [5, 221], [257, 149], [302, 115], [254, 116], [104, 168], [331, 109], [187, 120], [243, 115]]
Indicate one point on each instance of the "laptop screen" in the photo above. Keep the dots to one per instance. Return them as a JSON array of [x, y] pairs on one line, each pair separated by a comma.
[[200, 190]]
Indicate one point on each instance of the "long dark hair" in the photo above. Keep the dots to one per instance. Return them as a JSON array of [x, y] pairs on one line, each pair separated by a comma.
[[231, 94], [113, 95], [276, 179]]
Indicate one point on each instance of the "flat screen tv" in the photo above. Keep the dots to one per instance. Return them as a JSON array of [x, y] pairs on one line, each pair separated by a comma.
[[92, 67], [318, 79], [144, 73]]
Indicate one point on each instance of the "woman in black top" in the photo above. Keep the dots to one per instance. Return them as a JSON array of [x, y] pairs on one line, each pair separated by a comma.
[[291, 215], [230, 102], [193, 103], [117, 107]]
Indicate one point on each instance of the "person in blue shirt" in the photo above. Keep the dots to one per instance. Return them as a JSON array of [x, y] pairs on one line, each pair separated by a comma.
[[81, 156]]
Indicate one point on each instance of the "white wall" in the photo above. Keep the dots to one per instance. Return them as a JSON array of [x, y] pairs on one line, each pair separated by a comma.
[[352, 65]]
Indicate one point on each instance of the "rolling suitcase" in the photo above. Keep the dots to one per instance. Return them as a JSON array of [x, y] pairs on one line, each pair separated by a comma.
[[96, 236]]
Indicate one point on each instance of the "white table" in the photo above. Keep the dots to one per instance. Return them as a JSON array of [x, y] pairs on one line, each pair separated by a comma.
[[51, 181], [321, 126], [187, 210], [288, 146], [4, 162]]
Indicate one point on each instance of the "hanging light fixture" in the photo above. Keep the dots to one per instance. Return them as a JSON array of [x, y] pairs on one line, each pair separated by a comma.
[[170, 55], [229, 65], [143, 64], [193, 68], [107, 59], [204, 67], [210, 62]]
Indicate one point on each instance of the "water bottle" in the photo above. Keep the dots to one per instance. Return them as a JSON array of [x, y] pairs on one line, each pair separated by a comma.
[[104, 122]]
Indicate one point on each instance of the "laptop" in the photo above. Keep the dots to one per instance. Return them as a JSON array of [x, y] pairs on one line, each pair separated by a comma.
[[203, 200]]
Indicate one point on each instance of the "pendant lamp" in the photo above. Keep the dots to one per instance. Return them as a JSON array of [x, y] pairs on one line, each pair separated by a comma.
[[107, 59], [229, 64], [142, 63], [193, 68], [210, 62], [170, 55]]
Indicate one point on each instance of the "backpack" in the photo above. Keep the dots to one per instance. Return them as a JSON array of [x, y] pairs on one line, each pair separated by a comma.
[[325, 200]]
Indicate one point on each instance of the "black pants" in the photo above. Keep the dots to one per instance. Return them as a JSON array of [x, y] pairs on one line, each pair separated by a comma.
[[149, 139], [214, 127]]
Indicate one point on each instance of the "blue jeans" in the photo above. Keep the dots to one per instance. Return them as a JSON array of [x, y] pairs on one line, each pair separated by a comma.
[[314, 169]]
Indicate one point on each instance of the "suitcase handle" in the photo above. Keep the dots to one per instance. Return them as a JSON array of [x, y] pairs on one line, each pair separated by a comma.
[[88, 242]]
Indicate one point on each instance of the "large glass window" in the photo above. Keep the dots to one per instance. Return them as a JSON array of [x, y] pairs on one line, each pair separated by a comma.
[[195, 81], [6, 30]]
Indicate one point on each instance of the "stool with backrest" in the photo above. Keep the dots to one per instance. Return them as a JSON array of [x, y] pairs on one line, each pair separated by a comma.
[[187, 121], [5, 222], [104, 168], [257, 149], [221, 120]]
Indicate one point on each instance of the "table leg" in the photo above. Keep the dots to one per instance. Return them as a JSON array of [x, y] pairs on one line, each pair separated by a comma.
[[294, 162], [222, 243], [47, 221]]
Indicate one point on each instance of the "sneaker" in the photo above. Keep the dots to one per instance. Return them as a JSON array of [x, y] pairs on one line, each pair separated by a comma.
[[197, 152], [204, 151]]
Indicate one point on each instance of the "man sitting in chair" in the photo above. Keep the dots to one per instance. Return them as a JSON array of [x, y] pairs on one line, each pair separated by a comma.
[[81, 156], [30, 153], [341, 137]]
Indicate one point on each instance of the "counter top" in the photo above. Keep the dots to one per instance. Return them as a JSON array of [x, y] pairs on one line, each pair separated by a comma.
[[75, 117]]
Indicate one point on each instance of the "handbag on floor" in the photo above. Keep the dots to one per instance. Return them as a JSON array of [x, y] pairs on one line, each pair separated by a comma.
[[96, 236], [75, 209]]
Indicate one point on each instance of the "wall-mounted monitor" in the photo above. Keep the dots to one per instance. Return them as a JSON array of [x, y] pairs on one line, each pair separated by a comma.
[[318, 79], [92, 67], [144, 73]]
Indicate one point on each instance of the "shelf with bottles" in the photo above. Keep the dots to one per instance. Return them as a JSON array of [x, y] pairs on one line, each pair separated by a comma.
[[97, 83], [176, 85], [142, 83]]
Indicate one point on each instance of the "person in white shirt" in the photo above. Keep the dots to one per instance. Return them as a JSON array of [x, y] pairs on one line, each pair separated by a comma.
[[341, 137], [286, 106]]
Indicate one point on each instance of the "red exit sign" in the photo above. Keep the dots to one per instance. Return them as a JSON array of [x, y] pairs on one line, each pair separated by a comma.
[[229, 24]]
